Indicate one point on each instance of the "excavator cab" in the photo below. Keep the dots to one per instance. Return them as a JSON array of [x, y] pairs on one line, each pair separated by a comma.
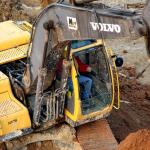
[[100, 102]]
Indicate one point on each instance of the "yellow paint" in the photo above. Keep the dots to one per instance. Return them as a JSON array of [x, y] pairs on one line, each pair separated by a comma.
[[13, 115], [99, 42], [115, 75], [77, 108], [13, 54], [13, 34]]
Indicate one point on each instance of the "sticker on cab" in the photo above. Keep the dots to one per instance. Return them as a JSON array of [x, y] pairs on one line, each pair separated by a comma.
[[72, 23]]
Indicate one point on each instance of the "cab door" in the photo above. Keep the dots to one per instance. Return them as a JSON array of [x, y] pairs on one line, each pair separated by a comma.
[[79, 110]]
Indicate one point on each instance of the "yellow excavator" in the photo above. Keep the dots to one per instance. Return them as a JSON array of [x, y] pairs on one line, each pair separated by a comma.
[[62, 102], [32, 96]]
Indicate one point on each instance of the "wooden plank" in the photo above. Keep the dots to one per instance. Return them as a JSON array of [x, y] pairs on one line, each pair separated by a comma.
[[96, 136]]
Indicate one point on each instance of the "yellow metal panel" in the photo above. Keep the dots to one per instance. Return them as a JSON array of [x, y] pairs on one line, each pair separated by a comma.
[[77, 107], [7, 106], [115, 80], [13, 115], [13, 54], [13, 34], [97, 43]]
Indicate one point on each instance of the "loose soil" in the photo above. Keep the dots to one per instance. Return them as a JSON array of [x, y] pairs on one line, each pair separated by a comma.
[[134, 113], [12, 10], [136, 141], [135, 94]]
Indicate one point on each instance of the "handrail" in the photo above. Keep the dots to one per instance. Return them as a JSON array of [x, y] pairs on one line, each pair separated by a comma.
[[115, 75]]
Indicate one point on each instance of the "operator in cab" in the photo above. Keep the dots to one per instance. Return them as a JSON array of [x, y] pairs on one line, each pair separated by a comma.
[[83, 71], [83, 80]]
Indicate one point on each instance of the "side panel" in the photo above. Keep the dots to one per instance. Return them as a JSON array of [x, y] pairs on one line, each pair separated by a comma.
[[13, 115], [14, 34]]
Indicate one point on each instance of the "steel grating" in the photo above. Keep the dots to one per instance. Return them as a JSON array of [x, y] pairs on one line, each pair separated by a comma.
[[8, 107], [13, 54]]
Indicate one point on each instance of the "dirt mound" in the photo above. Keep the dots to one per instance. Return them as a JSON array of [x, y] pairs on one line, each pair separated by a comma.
[[11, 10], [139, 140], [135, 107]]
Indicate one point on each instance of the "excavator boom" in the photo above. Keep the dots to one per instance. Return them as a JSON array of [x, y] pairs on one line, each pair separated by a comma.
[[59, 23]]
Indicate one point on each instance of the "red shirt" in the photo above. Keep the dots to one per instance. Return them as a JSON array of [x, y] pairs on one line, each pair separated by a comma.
[[81, 66]]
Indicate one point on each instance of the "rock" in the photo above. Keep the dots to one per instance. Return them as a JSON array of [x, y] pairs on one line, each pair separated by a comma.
[[37, 3], [34, 7], [32, 3], [11, 10], [124, 51], [2, 146], [147, 95]]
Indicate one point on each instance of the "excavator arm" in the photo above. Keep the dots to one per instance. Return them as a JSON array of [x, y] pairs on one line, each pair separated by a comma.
[[59, 23]]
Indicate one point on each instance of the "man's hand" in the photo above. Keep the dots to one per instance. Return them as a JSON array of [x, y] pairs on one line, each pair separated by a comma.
[[93, 73], [89, 69]]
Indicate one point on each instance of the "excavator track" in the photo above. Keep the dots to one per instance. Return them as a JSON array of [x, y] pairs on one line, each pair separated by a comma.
[[96, 136], [62, 136], [91, 136]]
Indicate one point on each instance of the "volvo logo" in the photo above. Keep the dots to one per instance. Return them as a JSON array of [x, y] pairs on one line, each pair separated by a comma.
[[105, 27]]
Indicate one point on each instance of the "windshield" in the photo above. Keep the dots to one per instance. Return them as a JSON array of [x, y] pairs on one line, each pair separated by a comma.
[[100, 93]]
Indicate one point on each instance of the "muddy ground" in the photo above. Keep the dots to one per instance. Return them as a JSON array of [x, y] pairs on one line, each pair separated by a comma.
[[134, 113]]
